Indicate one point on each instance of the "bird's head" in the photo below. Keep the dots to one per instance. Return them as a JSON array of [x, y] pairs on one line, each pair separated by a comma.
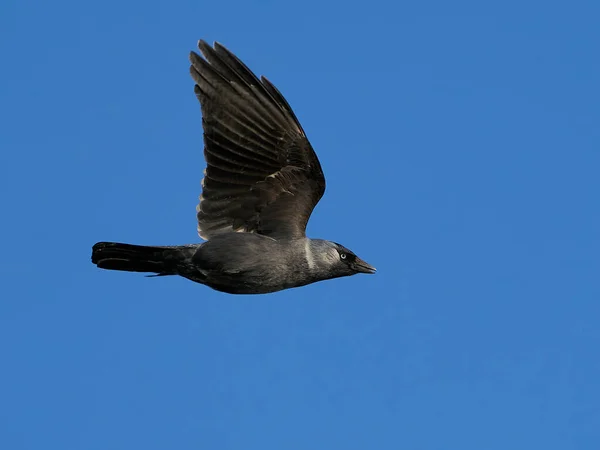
[[339, 261]]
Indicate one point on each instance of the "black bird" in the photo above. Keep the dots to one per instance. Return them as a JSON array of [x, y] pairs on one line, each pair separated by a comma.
[[260, 186]]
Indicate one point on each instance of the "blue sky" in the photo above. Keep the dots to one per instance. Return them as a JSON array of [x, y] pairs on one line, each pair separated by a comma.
[[461, 146]]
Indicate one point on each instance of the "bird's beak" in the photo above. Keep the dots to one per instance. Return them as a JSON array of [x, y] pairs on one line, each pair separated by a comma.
[[363, 267]]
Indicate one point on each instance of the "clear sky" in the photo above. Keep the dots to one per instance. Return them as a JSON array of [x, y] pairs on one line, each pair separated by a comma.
[[461, 145]]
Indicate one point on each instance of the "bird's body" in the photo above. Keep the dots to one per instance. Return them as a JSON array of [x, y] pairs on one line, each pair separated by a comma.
[[262, 181], [236, 263]]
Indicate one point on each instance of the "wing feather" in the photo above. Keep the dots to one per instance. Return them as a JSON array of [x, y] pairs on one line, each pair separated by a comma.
[[262, 174]]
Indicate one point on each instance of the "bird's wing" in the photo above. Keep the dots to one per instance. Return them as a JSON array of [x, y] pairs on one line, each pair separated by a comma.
[[262, 174]]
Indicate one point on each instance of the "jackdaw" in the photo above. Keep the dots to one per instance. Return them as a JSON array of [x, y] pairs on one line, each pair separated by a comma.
[[260, 186]]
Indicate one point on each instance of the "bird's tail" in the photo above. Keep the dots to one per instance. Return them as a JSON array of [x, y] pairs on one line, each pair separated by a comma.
[[139, 258]]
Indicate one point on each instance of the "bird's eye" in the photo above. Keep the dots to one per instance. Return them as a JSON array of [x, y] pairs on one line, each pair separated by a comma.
[[342, 256]]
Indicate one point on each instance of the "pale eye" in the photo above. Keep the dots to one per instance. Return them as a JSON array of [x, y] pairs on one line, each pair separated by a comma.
[[342, 256]]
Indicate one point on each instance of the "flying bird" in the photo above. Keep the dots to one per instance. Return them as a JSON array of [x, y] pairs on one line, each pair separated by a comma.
[[261, 184]]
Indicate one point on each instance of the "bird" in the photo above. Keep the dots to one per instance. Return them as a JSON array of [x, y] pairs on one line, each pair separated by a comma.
[[261, 183]]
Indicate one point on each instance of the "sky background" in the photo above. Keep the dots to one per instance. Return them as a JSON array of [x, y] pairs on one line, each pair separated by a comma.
[[461, 145]]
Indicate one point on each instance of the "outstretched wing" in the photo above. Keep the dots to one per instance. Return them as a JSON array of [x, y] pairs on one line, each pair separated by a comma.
[[262, 174]]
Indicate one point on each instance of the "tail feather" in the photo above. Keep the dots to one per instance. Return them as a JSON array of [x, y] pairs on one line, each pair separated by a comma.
[[137, 258]]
